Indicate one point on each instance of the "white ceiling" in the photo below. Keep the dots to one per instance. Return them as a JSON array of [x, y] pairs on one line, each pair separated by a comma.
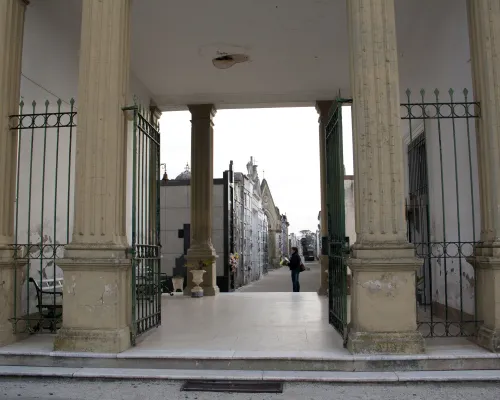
[[298, 49]]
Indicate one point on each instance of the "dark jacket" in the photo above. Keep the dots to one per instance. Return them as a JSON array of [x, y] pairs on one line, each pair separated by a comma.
[[295, 261]]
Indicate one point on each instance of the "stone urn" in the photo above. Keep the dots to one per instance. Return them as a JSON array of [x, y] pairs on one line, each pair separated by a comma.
[[178, 283], [197, 290]]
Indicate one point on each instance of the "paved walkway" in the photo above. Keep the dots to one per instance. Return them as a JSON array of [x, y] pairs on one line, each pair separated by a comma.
[[280, 280], [51, 389]]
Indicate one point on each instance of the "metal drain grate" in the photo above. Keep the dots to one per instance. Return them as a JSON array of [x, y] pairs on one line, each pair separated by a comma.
[[233, 386]]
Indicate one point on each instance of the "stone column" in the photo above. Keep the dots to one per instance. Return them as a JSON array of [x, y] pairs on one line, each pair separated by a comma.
[[97, 271], [323, 107], [11, 49], [484, 28], [202, 174], [383, 263]]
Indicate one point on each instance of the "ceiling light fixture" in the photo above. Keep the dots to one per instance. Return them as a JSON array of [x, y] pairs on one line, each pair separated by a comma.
[[225, 61]]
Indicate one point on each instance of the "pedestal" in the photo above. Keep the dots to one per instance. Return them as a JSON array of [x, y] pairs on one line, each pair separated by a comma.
[[488, 300], [10, 288], [97, 306], [383, 305], [209, 283]]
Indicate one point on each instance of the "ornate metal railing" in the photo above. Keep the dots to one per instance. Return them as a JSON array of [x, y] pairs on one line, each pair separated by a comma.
[[43, 224], [443, 220]]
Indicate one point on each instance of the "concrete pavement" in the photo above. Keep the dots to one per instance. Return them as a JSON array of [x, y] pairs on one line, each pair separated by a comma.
[[155, 390], [279, 280]]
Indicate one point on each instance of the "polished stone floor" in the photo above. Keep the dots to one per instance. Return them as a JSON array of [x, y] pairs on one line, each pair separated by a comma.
[[249, 322], [245, 321]]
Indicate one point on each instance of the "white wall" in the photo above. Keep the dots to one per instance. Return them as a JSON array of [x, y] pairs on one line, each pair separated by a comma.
[[175, 204]]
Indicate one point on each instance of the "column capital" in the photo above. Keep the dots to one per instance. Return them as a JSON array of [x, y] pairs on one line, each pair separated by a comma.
[[323, 108], [202, 111], [155, 111]]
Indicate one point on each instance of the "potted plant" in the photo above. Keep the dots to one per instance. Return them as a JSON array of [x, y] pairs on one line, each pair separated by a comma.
[[178, 283], [198, 270]]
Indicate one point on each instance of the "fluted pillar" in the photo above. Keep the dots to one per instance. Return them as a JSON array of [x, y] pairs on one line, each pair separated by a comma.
[[484, 28], [97, 272], [383, 263], [11, 48], [323, 107], [202, 174]]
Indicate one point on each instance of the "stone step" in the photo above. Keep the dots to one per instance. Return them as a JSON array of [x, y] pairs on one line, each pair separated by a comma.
[[253, 361], [238, 375]]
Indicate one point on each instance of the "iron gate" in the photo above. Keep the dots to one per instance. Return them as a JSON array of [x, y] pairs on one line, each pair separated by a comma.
[[146, 245], [43, 211], [338, 243], [442, 219]]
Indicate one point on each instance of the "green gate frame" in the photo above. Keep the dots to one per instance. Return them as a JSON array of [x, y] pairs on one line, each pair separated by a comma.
[[146, 244], [337, 247]]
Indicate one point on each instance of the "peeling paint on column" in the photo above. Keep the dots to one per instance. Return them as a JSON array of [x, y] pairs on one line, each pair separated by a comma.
[[387, 283], [71, 288]]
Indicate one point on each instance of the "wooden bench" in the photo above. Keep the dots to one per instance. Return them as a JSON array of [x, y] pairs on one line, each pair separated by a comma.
[[49, 309]]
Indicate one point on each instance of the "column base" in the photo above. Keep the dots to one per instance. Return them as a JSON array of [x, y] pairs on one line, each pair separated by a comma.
[[383, 298], [488, 339], [97, 305], [206, 254], [386, 343], [8, 327], [92, 340], [209, 288], [486, 264]]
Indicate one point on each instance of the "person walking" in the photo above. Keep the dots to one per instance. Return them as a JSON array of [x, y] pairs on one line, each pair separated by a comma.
[[295, 268]]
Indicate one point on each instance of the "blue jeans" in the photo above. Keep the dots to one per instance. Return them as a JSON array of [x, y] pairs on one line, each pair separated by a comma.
[[295, 280]]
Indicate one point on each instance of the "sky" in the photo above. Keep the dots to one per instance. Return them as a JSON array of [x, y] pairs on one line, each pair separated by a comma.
[[284, 144]]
